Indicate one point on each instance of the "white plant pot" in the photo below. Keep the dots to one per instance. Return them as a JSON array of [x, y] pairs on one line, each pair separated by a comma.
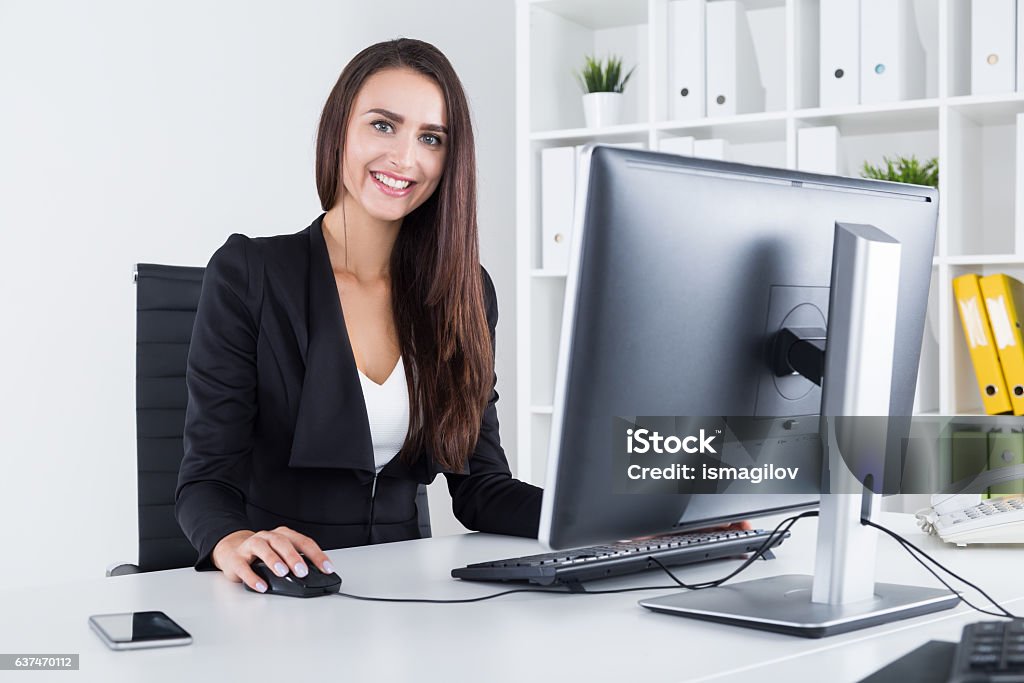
[[602, 109]]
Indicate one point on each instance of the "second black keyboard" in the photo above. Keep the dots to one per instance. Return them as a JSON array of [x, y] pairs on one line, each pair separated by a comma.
[[990, 651], [616, 559]]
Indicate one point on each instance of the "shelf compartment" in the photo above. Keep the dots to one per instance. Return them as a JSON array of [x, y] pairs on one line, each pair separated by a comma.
[[548, 258], [982, 141], [807, 50], [861, 141], [767, 21], [959, 40], [964, 390], [562, 33]]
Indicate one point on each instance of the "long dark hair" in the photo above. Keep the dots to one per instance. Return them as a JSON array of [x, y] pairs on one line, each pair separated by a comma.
[[436, 282]]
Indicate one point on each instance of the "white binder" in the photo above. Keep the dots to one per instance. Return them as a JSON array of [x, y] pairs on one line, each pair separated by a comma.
[[733, 79], [681, 145], [839, 63], [686, 59], [891, 56], [993, 46], [558, 190], [817, 150], [715, 148]]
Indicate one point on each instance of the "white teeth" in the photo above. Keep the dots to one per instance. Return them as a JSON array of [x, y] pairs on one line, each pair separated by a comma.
[[391, 182]]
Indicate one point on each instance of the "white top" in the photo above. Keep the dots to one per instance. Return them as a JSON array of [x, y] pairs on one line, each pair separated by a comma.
[[387, 407]]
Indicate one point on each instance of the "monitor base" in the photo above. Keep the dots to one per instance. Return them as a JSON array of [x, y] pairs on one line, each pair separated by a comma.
[[783, 604]]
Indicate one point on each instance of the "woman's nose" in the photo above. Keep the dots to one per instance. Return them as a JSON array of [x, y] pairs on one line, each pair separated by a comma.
[[403, 151]]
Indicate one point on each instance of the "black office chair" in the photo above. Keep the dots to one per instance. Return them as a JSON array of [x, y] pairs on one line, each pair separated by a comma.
[[166, 302]]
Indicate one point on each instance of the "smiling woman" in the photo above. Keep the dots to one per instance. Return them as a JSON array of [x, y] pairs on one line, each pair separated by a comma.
[[334, 370], [401, 155]]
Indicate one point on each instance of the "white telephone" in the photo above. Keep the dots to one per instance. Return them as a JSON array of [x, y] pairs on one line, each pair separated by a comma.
[[966, 518]]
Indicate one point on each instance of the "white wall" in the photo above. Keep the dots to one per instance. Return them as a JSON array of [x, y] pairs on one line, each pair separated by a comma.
[[142, 131]]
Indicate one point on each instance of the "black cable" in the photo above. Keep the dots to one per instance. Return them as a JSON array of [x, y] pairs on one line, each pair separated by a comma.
[[769, 542], [911, 548], [938, 578], [460, 600], [560, 591], [906, 545], [577, 589]]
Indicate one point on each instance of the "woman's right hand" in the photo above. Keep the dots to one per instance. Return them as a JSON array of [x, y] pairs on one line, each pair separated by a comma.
[[278, 548]]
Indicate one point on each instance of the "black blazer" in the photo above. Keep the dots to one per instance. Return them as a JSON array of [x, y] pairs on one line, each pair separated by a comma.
[[276, 431]]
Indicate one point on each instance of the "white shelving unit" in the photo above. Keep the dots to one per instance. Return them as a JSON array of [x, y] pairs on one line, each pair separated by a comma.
[[974, 138]]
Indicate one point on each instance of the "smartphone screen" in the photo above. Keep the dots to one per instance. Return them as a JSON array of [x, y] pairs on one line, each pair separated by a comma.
[[134, 630]]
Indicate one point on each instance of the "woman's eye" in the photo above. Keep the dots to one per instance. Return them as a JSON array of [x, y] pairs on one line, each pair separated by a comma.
[[432, 140], [382, 126]]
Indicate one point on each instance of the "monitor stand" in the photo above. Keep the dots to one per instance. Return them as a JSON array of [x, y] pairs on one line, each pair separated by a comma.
[[842, 595]]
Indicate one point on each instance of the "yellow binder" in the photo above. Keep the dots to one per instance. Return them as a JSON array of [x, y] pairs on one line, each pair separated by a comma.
[[989, 373], [1004, 297]]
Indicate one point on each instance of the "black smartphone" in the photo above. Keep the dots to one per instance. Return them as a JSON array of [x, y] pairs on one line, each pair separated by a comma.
[[135, 630]]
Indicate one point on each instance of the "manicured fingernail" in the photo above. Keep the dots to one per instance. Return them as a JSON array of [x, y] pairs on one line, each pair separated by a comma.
[[328, 567], [261, 587], [280, 569], [300, 569]]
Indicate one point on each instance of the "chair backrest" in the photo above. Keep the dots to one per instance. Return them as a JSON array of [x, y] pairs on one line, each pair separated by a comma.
[[166, 302]]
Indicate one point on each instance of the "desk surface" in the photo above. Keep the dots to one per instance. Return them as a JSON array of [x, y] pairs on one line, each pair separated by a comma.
[[240, 635]]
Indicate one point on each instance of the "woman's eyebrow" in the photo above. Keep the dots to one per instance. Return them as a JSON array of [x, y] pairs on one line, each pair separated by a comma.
[[436, 127]]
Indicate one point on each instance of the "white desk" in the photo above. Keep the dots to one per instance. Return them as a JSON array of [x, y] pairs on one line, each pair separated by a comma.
[[241, 636]]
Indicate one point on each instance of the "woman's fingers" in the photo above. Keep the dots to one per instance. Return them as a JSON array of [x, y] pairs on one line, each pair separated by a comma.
[[308, 547], [236, 567], [246, 575], [259, 545], [279, 549], [286, 549]]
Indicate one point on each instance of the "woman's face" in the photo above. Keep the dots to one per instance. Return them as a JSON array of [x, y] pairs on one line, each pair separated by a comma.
[[396, 143]]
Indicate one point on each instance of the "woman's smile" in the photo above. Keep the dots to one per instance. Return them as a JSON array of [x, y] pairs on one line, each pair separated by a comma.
[[391, 185]]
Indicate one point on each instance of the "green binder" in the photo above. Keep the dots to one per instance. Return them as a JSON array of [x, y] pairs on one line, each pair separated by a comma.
[[970, 455], [1006, 448]]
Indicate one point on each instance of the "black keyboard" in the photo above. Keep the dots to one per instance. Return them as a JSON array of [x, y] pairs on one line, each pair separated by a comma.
[[990, 651], [616, 559]]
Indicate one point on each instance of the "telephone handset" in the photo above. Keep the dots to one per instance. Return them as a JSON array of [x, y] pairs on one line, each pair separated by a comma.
[[962, 517]]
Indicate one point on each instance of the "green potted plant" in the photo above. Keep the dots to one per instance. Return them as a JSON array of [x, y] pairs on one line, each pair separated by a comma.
[[905, 170], [602, 83]]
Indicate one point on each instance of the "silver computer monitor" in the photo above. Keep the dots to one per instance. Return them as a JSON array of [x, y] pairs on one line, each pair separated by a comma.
[[682, 272]]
